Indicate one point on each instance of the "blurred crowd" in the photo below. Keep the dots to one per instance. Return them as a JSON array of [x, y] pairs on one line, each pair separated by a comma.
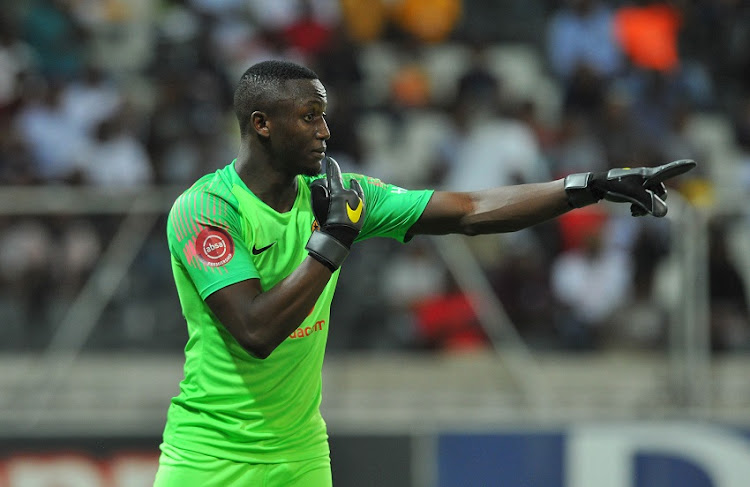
[[453, 94]]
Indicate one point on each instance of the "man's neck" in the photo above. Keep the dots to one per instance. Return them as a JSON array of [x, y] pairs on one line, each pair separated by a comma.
[[277, 190]]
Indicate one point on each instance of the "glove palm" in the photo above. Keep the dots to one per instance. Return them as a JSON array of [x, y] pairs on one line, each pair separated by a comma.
[[340, 214]]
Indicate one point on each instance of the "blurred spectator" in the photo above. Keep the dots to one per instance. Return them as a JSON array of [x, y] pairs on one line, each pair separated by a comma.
[[547, 132], [677, 143], [584, 94], [417, 282], [339, 65], [498, 152], [429, 21], [447, 322], [307, 33], [90, 99], [520, 280], [281, 15], [576, 227], [116, 159], [583, 54], [590, 284], [657, 100], [647, 33], [410, 87], [426, 301], [478, 85], [727, 39], [46, 127], [169, 140], [580, 35], [617, 132], [119, 33], [364, 20], [56, 36], [423, 21], [488, 148], [642, 134], [501, 21], [643, 322], [578, 148], [409, 84]]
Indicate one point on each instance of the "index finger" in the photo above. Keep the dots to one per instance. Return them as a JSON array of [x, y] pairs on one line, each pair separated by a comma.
[[668, 171], [333, 174]]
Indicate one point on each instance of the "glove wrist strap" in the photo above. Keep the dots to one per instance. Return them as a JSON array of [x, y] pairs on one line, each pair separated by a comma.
[[326, 250], [578, 190]]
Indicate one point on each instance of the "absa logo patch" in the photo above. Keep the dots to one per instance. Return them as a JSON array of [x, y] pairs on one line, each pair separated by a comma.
[[214, 246]]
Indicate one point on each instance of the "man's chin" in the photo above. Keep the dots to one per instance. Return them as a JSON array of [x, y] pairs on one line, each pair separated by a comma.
[[313, 170]]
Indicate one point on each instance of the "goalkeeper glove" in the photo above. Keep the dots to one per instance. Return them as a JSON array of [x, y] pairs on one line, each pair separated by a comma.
[[340, 213], [643, 187]]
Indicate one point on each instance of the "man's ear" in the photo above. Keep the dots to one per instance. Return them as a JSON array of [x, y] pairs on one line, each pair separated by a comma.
[[259, 122]]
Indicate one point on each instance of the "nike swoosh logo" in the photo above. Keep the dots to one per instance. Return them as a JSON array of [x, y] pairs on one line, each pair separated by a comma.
[[257, 251], [354, 214]]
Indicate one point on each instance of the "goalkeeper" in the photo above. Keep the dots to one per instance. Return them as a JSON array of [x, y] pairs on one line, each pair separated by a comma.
[[256, 249]]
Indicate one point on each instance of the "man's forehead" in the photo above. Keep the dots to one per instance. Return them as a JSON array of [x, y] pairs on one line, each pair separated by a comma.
[[306, 90]]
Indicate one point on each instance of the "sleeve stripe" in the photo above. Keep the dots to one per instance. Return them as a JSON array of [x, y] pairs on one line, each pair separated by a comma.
[[178, 225], [200, 206], [181, 219], [173, 223]]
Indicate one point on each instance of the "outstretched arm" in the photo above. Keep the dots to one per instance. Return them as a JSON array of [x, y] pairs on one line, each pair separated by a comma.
[[497, 210], [511, 208]]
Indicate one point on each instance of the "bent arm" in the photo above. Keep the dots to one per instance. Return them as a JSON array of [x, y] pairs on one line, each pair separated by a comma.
[[261, 321], [497, 210]]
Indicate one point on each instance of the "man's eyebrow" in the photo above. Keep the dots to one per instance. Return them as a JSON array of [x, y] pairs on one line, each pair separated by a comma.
[[314, 103]]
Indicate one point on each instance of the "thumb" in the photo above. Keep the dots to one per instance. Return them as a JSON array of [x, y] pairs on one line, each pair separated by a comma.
[[354, 184], [333, 175], [658, 206], [321, 200], [648, 203]]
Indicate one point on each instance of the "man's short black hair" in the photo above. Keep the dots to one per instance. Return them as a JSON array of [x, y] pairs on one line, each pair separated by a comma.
[[260, 86]]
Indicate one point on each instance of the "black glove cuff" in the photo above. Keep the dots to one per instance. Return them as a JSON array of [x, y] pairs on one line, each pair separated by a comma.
[[343, 233], [579, 191], [327, 250]]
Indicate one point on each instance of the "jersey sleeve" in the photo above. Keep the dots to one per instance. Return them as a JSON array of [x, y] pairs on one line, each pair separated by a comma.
[[390, 210], [204, 233]]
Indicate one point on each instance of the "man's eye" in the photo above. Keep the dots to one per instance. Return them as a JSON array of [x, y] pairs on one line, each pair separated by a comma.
[[309, 117]]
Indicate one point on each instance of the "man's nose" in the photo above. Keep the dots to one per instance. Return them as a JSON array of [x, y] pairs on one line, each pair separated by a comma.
[[323, 131]]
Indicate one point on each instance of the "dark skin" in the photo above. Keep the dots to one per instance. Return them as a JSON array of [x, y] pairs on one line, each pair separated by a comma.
[[290, 139]]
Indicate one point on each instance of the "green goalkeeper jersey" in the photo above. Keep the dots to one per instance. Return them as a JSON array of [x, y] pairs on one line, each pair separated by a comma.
[[232, 405]]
